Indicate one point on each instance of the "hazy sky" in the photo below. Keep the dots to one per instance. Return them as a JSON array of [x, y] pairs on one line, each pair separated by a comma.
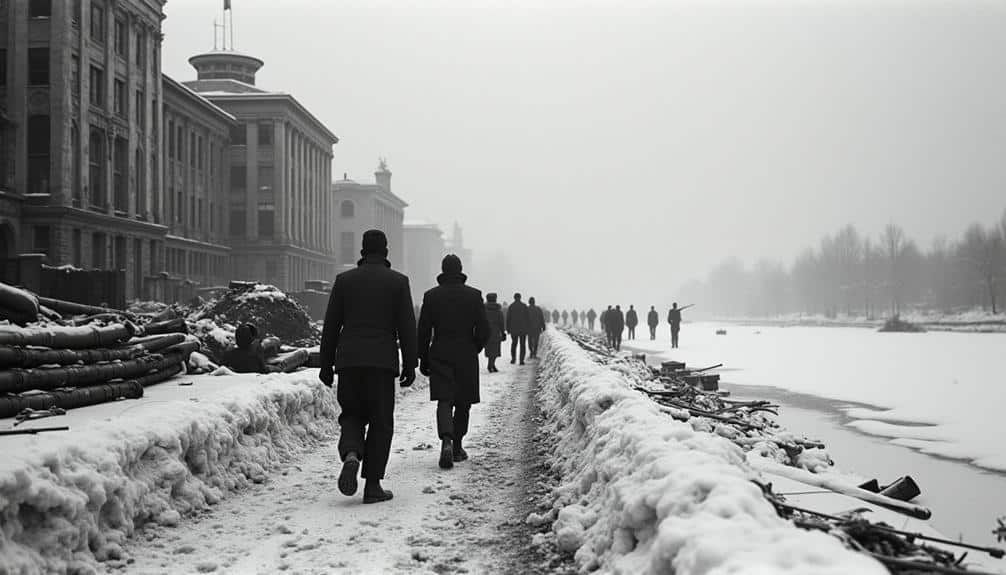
[[613, 150]]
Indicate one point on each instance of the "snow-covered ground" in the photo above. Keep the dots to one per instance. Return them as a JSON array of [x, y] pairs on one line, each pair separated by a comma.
[[643, 493], [939, 392], [976, 320], [70, 499]]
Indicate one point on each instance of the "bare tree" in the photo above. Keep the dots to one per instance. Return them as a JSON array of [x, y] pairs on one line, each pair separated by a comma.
[[892, 241], [982, 250]]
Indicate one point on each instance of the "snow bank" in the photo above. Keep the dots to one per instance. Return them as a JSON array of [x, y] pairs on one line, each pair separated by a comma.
[[643, 493], [69, 500]]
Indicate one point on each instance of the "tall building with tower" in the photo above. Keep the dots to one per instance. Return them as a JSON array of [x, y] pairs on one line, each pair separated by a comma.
[[280, 194], [363, 206]]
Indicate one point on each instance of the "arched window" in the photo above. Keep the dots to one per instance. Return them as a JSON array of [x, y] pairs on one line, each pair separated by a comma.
[[348, 209]]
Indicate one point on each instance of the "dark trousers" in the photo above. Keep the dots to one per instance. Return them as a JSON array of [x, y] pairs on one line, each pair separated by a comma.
[[591, 325], [367, 398], [632, 332], [452, 420], [616, 340], [674, 336], [653, 332], [532, 343], [514, 341]]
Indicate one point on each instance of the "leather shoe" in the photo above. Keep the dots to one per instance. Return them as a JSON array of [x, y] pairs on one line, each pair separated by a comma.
[[378, 496], [347, 478], [447, 454], [460, 455]]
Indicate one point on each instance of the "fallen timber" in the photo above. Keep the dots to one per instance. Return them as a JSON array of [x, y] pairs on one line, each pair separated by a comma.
[[59, 337], [795, 462]]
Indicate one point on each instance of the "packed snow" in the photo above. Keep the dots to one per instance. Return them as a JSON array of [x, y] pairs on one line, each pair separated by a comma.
[[71, 499], [973, 320], [922, 390], [643, 493], [262, 292]]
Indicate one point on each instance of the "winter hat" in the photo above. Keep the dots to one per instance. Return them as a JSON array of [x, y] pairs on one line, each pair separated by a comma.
[[245, 335], [451, 264], [491, 297], [374, 243], [531, 301]]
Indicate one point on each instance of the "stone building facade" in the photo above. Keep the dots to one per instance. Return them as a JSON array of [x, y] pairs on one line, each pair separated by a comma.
[[279, 198], [424, 249], [80, 145], [360, 207]]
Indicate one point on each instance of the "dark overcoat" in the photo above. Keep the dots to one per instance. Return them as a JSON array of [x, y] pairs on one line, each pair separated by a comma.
[[631, 319], [537, 319], [497, 329], [453, 329], [653, 318], [518, 320], [369, 317]]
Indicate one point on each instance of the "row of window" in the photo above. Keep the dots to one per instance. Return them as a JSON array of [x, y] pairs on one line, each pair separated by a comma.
[[239, 135]]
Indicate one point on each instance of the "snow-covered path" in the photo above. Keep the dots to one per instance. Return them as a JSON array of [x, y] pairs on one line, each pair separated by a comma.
[[463, 520]]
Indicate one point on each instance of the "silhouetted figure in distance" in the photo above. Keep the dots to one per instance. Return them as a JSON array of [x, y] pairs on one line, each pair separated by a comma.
[[631, 321], [591, 316], [518, 322], [653, 320], [497, 330], [616, 322], [674, 318], [536, 326]]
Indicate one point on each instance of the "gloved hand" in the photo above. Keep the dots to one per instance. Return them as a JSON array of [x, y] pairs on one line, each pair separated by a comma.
[[424, 368], [327, 376], [408, 377]]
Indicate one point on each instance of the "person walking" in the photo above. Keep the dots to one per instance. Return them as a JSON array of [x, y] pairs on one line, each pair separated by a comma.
[[605, 317], [616, 322], [575, 317], [518, 322], [653, 320], [453, 329], [591, 316], [497, 331], [555, 316], [368, 320], [674, 318], [535, 327], [631, 321]]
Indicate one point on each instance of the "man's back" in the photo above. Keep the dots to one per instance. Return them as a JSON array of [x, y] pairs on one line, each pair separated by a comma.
[[674, 316], [517, 318], [369, 312]]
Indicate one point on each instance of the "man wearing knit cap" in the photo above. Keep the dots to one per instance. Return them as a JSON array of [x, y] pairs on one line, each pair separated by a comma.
[[369, 318], [453, 329]]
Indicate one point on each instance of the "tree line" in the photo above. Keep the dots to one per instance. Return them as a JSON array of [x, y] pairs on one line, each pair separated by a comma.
[[855, 274]]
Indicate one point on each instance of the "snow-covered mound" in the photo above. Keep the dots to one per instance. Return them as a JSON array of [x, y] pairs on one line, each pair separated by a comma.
[[69, 500], [643, 493]]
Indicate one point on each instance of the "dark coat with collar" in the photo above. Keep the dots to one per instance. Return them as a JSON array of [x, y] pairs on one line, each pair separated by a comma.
[[453, 329], [497, 329], [369, 319]]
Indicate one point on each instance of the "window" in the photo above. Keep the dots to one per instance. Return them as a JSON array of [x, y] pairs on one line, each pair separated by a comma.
[[96, 167], [141, 49], [75, 75], [237, 223], [199, 214], [40, 243], [266, 219], [78, 249], [119, 98], [3, 67], [155, 189], [348, 209], [120, 253], [192, 151], [120, 169], [97, 86], [238, 179], [38, 66], [76, 14], [265, 135], [38, 154], [121, 40], [199, 153], [179, 149], [238, 135], [171, 140], [75, 167], [348, 242], [97, 23], [40, 9], [141, 110], [99, 249], [141, 184]]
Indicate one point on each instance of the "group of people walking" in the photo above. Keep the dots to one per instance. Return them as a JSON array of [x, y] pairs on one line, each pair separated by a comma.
[[614, 322], [370, 320]]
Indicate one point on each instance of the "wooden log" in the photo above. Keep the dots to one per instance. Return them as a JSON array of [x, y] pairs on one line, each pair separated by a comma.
[[59, 337]]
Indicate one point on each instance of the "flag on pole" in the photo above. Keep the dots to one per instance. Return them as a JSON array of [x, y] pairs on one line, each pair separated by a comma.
[[227, 4]]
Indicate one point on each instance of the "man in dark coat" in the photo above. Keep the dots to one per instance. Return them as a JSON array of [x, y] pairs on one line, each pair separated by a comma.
[[631, 321], [247, 357], [591, 316], [575, 317], [565, 317], [518, 323], [653, 320], [616, 323], [537, 325], [605, 317], [497, 330], [555, 316], [369, 318], [453, 329], [674, 318]]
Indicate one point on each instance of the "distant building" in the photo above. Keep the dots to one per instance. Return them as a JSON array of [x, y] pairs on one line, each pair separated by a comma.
[[80, 123], [196, 171], [456, 246], [360, 207], [280, 200], [424, 249]]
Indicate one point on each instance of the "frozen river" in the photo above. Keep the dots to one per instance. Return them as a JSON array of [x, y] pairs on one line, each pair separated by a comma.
[[927, 405]]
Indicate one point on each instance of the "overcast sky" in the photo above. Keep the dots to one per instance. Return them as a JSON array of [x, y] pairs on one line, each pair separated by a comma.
[[612, 150]]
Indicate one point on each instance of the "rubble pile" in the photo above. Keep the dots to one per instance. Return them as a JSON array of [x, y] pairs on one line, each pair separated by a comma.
[[272, 311]]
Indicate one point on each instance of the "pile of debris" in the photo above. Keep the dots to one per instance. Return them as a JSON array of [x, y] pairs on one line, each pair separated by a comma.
[[272, 311], [692, 396], [897, 325], [64, 355]]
